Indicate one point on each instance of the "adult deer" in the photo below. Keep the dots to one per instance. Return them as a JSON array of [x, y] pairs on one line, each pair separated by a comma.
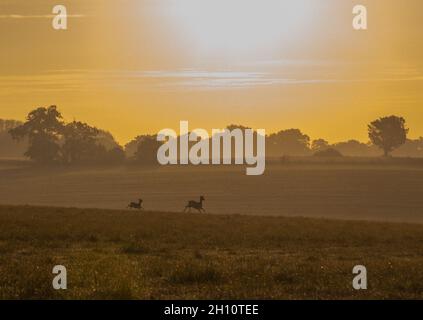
[[196, 205], [136, 205]]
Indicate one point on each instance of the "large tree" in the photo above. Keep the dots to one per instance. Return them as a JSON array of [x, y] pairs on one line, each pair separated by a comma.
[[80, 143], [43, 129], [289, 142], [147, 146], [388, 133], [84, 144], [319, 145]]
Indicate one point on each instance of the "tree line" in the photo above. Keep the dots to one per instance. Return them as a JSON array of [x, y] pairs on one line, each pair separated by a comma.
[[48, 139]]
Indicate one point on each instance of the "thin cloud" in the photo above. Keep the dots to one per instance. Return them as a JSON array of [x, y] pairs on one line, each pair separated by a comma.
[[201, 79], [185, 79], [201, 74], [220, 80]]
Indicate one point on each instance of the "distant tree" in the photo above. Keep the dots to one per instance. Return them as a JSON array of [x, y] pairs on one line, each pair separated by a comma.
[[50, 140], [319, 145], [107, 140], [10, 148], [354, 148], [388, 133], [147, 149], [132, 146], [237, 126], [6, 125], [289, 142], [43, 129], [411, 148], [80, 143], [115, 156]]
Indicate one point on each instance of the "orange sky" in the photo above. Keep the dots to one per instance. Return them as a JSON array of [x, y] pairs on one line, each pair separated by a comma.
[[138, 66]]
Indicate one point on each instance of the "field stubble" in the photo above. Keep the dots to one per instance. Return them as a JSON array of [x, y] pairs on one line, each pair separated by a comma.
[[150, 255]]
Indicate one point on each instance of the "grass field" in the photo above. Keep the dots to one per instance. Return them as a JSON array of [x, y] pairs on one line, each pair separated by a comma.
[[131, 255]]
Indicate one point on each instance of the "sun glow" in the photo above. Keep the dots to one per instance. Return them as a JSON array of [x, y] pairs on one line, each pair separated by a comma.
[[236, 26]]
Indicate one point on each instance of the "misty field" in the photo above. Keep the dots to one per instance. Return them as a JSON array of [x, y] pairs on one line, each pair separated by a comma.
[[296, 232], [112, 254], [365, 191]]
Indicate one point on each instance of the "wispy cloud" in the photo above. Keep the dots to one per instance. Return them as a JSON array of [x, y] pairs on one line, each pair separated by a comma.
[[291, 63], [78, 80], [201, 79], [212, 80], [201, 74]]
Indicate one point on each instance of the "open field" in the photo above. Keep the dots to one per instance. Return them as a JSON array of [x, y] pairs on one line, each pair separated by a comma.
[[269, 236], [364, 191], [149, 255]]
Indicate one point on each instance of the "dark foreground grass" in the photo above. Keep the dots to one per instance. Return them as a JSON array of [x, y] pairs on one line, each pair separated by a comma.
[[149, 255]]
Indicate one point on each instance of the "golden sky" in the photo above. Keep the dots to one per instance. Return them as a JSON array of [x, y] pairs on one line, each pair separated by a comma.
[[138, 66]]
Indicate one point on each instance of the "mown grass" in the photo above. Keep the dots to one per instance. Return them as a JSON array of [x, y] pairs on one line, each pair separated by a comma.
[[150, 255]]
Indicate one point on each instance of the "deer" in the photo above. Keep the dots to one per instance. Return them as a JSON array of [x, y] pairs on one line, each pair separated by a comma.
[[196, 205], [136, 205]]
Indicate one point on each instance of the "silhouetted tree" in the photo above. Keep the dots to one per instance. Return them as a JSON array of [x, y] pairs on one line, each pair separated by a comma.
[[289, 142], [354, 148], [80, 143], [388, 133], [319, 145], [43, 129], [107, 140], [147, 149], [132, 146], [115, 155], [237, 126]]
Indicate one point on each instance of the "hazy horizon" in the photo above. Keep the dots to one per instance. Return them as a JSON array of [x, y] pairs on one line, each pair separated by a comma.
[[137, 67]]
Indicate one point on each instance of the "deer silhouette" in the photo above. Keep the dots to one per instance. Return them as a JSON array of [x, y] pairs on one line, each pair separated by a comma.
[[196, 205], [136, 205]]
